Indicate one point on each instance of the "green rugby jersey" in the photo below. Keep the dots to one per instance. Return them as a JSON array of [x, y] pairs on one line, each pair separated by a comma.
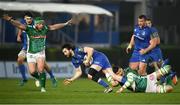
[[36, 39], [135, 81]]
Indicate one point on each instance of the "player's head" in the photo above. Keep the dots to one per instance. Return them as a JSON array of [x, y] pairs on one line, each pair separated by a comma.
[[68, 50], [149, 22], [118, 70], [28, 17], [142, 20], [39, 23]]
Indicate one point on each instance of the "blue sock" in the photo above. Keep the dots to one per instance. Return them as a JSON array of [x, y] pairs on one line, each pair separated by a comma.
[[172, 73], [22, 69], [102, 83], [50, 73]]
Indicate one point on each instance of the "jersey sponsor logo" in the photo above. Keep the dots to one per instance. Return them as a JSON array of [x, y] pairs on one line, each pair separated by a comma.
[[151, 77], [143, 60], [37, 37]]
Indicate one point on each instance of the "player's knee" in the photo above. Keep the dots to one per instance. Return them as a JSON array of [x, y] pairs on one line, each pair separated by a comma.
[[169, 88], [32, 72], [95, 78], [164, 88], [20, 61], [93, 74], [89, 77], [47, 67]]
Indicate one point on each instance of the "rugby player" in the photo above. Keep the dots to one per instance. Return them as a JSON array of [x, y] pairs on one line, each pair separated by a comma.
[[22, 37], [143, 42], [131, 80], [36, 42], [94, 60]]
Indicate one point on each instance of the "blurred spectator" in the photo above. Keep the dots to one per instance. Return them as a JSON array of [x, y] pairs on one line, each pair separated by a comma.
[[83, 24]]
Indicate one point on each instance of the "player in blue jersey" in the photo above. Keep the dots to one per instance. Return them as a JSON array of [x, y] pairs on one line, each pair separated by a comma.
[[22, 37], [95, 60], [156, 54], [143, 42], [22, 54]]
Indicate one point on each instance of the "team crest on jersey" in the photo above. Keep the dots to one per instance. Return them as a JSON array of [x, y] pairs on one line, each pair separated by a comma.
[[135, 30], [143, 33], [80, 49]]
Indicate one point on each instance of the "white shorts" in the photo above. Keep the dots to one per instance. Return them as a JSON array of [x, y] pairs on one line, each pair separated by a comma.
[[22, 53], [151, 83], [32, 57]]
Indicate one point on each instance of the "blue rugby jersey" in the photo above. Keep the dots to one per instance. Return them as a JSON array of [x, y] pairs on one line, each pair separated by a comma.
[[24, 35], [142, 37]]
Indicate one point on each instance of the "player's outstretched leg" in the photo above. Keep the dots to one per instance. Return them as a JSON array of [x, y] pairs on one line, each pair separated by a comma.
[[35, 75], [164, 70], [22, 69], [164, 88], [94, 75], [43, 81], [49, 71]]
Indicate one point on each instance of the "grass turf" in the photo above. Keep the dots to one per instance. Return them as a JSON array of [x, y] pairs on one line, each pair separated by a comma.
[[82, 91]]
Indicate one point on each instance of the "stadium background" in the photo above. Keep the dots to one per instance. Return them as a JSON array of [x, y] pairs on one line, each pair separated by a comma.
[[94, 30]]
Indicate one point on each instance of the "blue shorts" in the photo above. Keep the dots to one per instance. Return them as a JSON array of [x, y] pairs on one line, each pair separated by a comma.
[[156, 55], [101, 60], [137, 57]]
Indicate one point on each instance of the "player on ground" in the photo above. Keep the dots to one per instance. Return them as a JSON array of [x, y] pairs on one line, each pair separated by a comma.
[[143, 42], [36, 41], [22, 37], [131, 80], [96, 61]]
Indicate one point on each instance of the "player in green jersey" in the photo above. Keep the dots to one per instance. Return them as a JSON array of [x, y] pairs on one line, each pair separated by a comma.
[[36, 41], [131, 80]]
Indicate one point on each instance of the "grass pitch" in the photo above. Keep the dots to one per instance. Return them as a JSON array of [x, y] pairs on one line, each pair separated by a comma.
[[81, 91]]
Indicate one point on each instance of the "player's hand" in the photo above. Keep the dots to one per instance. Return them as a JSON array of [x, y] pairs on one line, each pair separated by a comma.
[[67, 81], [128, 49], [120, 90], [19, 39], [86, 62], [7, 17], [71, 21], [142, 51]]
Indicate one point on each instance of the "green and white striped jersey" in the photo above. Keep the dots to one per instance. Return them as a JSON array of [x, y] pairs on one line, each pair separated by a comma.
[[135, 81]]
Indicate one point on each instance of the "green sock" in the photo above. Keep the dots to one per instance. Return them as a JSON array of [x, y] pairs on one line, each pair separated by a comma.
[[43, 79], [35, 75]]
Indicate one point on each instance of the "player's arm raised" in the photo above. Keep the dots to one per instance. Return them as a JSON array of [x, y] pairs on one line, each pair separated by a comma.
[[14, 22], [19, 35], [89, 52], [60, 25]]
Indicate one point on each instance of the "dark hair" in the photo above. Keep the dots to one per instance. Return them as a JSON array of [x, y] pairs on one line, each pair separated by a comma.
[[28, 14], [148, 19], [68, 46], [142, 17]]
